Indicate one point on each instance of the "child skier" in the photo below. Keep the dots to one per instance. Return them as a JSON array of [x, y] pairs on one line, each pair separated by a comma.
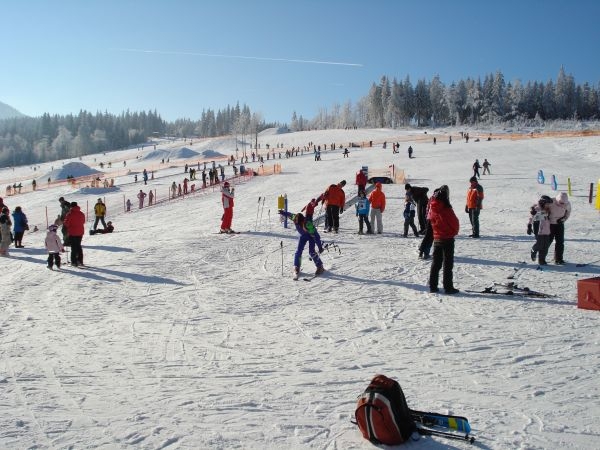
[[542, 238], [54, 247], [409, 215], [306, 229], [362, 212]]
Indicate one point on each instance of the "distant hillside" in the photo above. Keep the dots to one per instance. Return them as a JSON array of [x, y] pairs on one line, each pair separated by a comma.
[[7, 112]]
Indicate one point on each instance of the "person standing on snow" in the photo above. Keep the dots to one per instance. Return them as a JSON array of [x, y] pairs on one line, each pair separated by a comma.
[[141, 196], [486, 167], [377, 200], [419, 196], [476, 167], [54, 247], [308, 234], [227, 195], [445, 227], [361, 181], [362, 212], [75, 224], [542, 236], [100, 212], [19, 226], [474, 204], [336, 199], [5, 224], [409, 215], [560, 211]]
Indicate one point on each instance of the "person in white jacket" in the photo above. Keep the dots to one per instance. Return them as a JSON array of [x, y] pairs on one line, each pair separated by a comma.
[[54, 246], [560, 211]]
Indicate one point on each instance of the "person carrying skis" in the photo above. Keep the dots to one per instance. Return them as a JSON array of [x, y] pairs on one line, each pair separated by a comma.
[[308, 233], [227, 195], [445, 227]]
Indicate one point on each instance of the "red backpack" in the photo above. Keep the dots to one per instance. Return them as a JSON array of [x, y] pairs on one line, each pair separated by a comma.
[[382, 414]]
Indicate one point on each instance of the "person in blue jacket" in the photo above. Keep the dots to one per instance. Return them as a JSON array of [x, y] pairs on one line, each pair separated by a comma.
[[306, 229], [19, 226], [363, 207]]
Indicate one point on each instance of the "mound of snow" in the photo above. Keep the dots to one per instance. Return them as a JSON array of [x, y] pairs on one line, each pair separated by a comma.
[[97, 191], [74, 169], [274, 131], [157, 154], [183, 153], [212, 154]]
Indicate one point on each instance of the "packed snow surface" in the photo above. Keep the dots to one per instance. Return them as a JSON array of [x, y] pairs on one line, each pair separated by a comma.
[[175, 336]]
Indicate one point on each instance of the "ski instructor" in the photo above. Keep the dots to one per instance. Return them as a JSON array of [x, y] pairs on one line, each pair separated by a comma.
[[227, 194]]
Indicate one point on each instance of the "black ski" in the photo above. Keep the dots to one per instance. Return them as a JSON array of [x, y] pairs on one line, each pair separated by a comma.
[[511, 292]]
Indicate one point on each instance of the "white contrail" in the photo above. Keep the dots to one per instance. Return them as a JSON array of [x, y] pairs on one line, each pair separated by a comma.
[[257, 58]]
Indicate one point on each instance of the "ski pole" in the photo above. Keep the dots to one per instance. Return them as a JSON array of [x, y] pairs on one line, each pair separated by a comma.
[[281, 245], [460, 437], [257, 209], [261, 210]]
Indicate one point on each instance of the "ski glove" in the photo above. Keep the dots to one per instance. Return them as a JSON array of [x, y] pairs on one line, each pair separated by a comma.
[[529, 229], [467, 209]]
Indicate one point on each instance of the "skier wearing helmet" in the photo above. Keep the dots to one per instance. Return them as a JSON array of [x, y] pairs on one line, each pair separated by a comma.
[[308, 233], [227, 194]]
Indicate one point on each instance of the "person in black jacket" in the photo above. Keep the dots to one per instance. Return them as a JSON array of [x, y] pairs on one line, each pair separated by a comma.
[[419, 196]]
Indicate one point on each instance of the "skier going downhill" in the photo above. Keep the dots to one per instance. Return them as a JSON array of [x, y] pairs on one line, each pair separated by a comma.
[[306, 229]]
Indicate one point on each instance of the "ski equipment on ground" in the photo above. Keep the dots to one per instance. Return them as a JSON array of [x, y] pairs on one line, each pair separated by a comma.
[[382, 414]]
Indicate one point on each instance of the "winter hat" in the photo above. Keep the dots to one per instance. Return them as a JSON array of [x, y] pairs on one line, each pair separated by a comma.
[[52, 228], [73, 204], [226, 184], [407, 187], [473, 179], [343, 183], [562, 198]]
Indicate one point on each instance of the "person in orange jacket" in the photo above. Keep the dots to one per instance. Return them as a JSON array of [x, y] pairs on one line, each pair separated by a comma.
[[336, 199], [474, 204], [377, 200]]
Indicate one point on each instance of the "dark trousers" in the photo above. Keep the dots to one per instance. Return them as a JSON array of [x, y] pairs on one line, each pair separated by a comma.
[[557, 231], [99, 219], [364, 218], [333, 217], [474, 218], [542, 242], [76, 250], [443, 255], [410, 222], [427, 242], [53, 258], [422, 214]]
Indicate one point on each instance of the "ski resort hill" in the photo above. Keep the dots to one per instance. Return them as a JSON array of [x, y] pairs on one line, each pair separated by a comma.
[[176, 336]]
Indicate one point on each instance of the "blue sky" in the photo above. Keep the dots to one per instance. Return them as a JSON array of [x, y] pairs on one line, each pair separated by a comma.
[[180, 57]]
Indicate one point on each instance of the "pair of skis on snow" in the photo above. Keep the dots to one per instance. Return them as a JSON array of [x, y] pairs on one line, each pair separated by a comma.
[[512, 289], [431, 424]]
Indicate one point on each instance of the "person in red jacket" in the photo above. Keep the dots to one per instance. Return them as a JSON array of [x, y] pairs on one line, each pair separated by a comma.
[[361, 181], [445, 227], [336, 199], [75, 224]]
